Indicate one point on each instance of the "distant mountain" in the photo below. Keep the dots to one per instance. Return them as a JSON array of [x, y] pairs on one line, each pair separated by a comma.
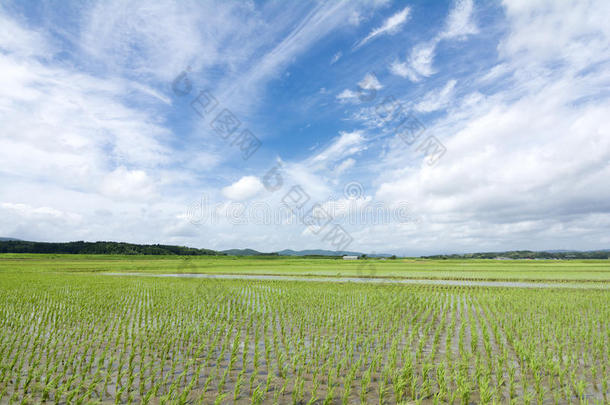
[[290, 252], [317, 252], [241, 252], [8, 239], [246, 252]]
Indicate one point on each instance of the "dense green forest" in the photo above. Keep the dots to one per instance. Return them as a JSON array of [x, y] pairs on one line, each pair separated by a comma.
[[118, 248], [528, 254]]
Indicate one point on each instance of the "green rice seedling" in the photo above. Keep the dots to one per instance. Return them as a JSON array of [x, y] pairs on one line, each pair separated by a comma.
[[297, 391], [486, 392], [223, 380], [220, 398], [382, 392], [330, 394], [237, 388], [258, 396]]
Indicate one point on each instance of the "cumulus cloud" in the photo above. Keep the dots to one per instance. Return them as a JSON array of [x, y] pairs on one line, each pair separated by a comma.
[[243, 189], [122, 183], [369, 82], [526, 166]]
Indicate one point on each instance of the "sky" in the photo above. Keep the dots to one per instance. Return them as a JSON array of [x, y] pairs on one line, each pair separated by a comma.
[[379, 126]]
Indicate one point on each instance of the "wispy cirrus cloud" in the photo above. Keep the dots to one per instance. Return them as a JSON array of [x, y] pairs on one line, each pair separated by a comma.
[[459, 24], [336, 57], [419, 63], [437, 99], [389, 27], [245, 85], [346, 144]]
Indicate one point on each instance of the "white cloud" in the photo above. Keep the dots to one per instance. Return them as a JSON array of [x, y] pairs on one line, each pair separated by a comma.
[[160, 39], [421, 59], [459, 24], [88, 154], [346, 207], [355, 18], [68, 127], [346, 144], [542, 33], [39, 213], [324, 18], [419, 63], [93, 147], [122, 183], [21, 42], [308, 176], [495, 73], [437, 99], [347, 95], [336, 57], [402, 69], [389, 27], [243, 189], [344, 165], [526, 166], [85, 121], [370, 82]]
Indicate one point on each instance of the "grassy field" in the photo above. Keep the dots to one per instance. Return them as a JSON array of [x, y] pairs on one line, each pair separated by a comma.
[[536, 270], [74, 337]]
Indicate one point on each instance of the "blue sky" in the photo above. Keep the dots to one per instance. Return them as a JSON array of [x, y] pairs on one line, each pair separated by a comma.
[[511, 100]]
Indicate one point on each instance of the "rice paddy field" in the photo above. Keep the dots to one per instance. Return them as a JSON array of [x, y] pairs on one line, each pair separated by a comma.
[[70, 334], [533, 270]]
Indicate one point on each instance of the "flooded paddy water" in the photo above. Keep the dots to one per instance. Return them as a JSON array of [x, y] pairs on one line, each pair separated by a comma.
[[376, 280]]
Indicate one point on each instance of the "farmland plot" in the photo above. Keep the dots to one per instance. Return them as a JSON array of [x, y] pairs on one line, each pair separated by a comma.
[[74, 338]]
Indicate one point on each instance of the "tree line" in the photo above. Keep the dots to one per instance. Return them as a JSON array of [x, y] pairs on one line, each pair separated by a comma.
[[111, 248], [528, 254]]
